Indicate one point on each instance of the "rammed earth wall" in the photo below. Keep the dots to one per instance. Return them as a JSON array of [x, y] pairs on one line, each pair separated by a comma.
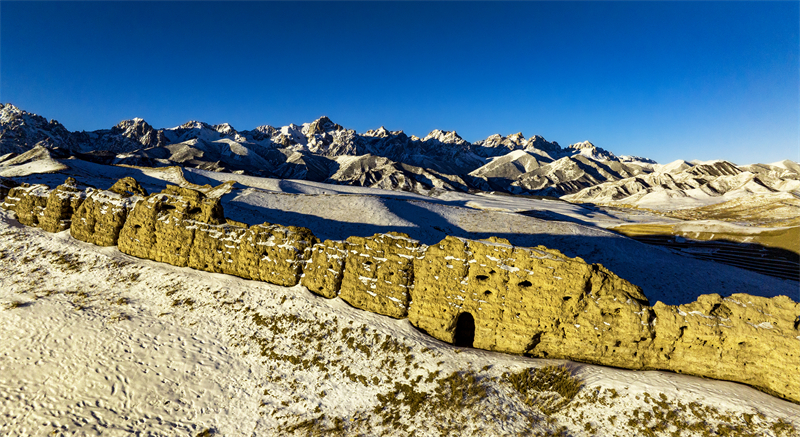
[[487, 294]]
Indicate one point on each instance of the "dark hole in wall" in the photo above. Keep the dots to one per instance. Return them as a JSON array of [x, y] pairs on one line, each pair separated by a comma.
[[525, 284], [465, 330], [481, 277], [566, 298], [487, 293], [535, 340], [194, 211]]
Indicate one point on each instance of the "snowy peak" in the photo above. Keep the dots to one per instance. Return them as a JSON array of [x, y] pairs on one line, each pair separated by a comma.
[[498, 145], [140, 131], [192, 130], [225, 129], [390, 159], [321, 126], [636, 159], [260, 134], [445, 137], [380, 132], [21, 130], [591, 151]]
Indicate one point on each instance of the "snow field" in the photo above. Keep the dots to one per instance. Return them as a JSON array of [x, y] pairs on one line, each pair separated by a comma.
[[97, 342]]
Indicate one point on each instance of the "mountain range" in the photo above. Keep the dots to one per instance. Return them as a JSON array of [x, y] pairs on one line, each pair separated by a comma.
[[324, 151]]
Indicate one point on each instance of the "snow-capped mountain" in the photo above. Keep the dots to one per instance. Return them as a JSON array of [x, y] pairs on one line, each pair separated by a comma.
[[20, 131], [325, 151], [683, 184]]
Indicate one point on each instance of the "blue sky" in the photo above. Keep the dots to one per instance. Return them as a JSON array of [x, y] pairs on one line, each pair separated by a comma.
[[676, 80]]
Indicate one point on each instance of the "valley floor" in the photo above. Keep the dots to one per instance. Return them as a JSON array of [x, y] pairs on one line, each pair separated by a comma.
[[97, 342]]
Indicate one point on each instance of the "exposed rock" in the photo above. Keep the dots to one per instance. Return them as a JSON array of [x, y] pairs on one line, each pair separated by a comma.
[[743, 338], [533, 301], [61, 204], [379, 273], [324, 268], [28, 202], [128, 186]]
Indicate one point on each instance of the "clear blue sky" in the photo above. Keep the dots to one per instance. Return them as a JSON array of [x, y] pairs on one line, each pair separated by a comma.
[[677, 80]]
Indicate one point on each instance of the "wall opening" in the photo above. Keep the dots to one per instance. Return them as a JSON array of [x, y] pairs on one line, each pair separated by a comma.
[[465, 330]]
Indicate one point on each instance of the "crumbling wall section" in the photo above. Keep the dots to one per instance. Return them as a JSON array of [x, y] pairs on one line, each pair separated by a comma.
[[28, 202], [162, 226], [274, 253], [61, 205], [532, 301], [101, 216], [749, 339], [324, 268], [379, 273]]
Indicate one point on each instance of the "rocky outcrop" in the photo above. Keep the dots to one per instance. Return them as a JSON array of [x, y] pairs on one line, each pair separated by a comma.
[[379, 273], [486, 294]]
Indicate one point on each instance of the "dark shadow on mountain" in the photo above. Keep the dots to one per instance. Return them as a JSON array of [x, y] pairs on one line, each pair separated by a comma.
[[607, 169], [499, 184], [593, 172], [306, 166]]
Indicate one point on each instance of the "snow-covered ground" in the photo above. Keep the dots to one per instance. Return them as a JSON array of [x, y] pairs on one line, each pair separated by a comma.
[[96, 342]]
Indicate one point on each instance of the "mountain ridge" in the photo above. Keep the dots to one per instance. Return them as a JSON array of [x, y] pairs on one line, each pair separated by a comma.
[[324, 151]]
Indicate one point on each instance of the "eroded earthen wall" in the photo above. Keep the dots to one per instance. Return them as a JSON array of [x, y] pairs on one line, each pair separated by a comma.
[[101, 216], [532, 301], [523, 300], [749, 339], [379, 273], [324, 268], [28, 202], [61, 205]]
